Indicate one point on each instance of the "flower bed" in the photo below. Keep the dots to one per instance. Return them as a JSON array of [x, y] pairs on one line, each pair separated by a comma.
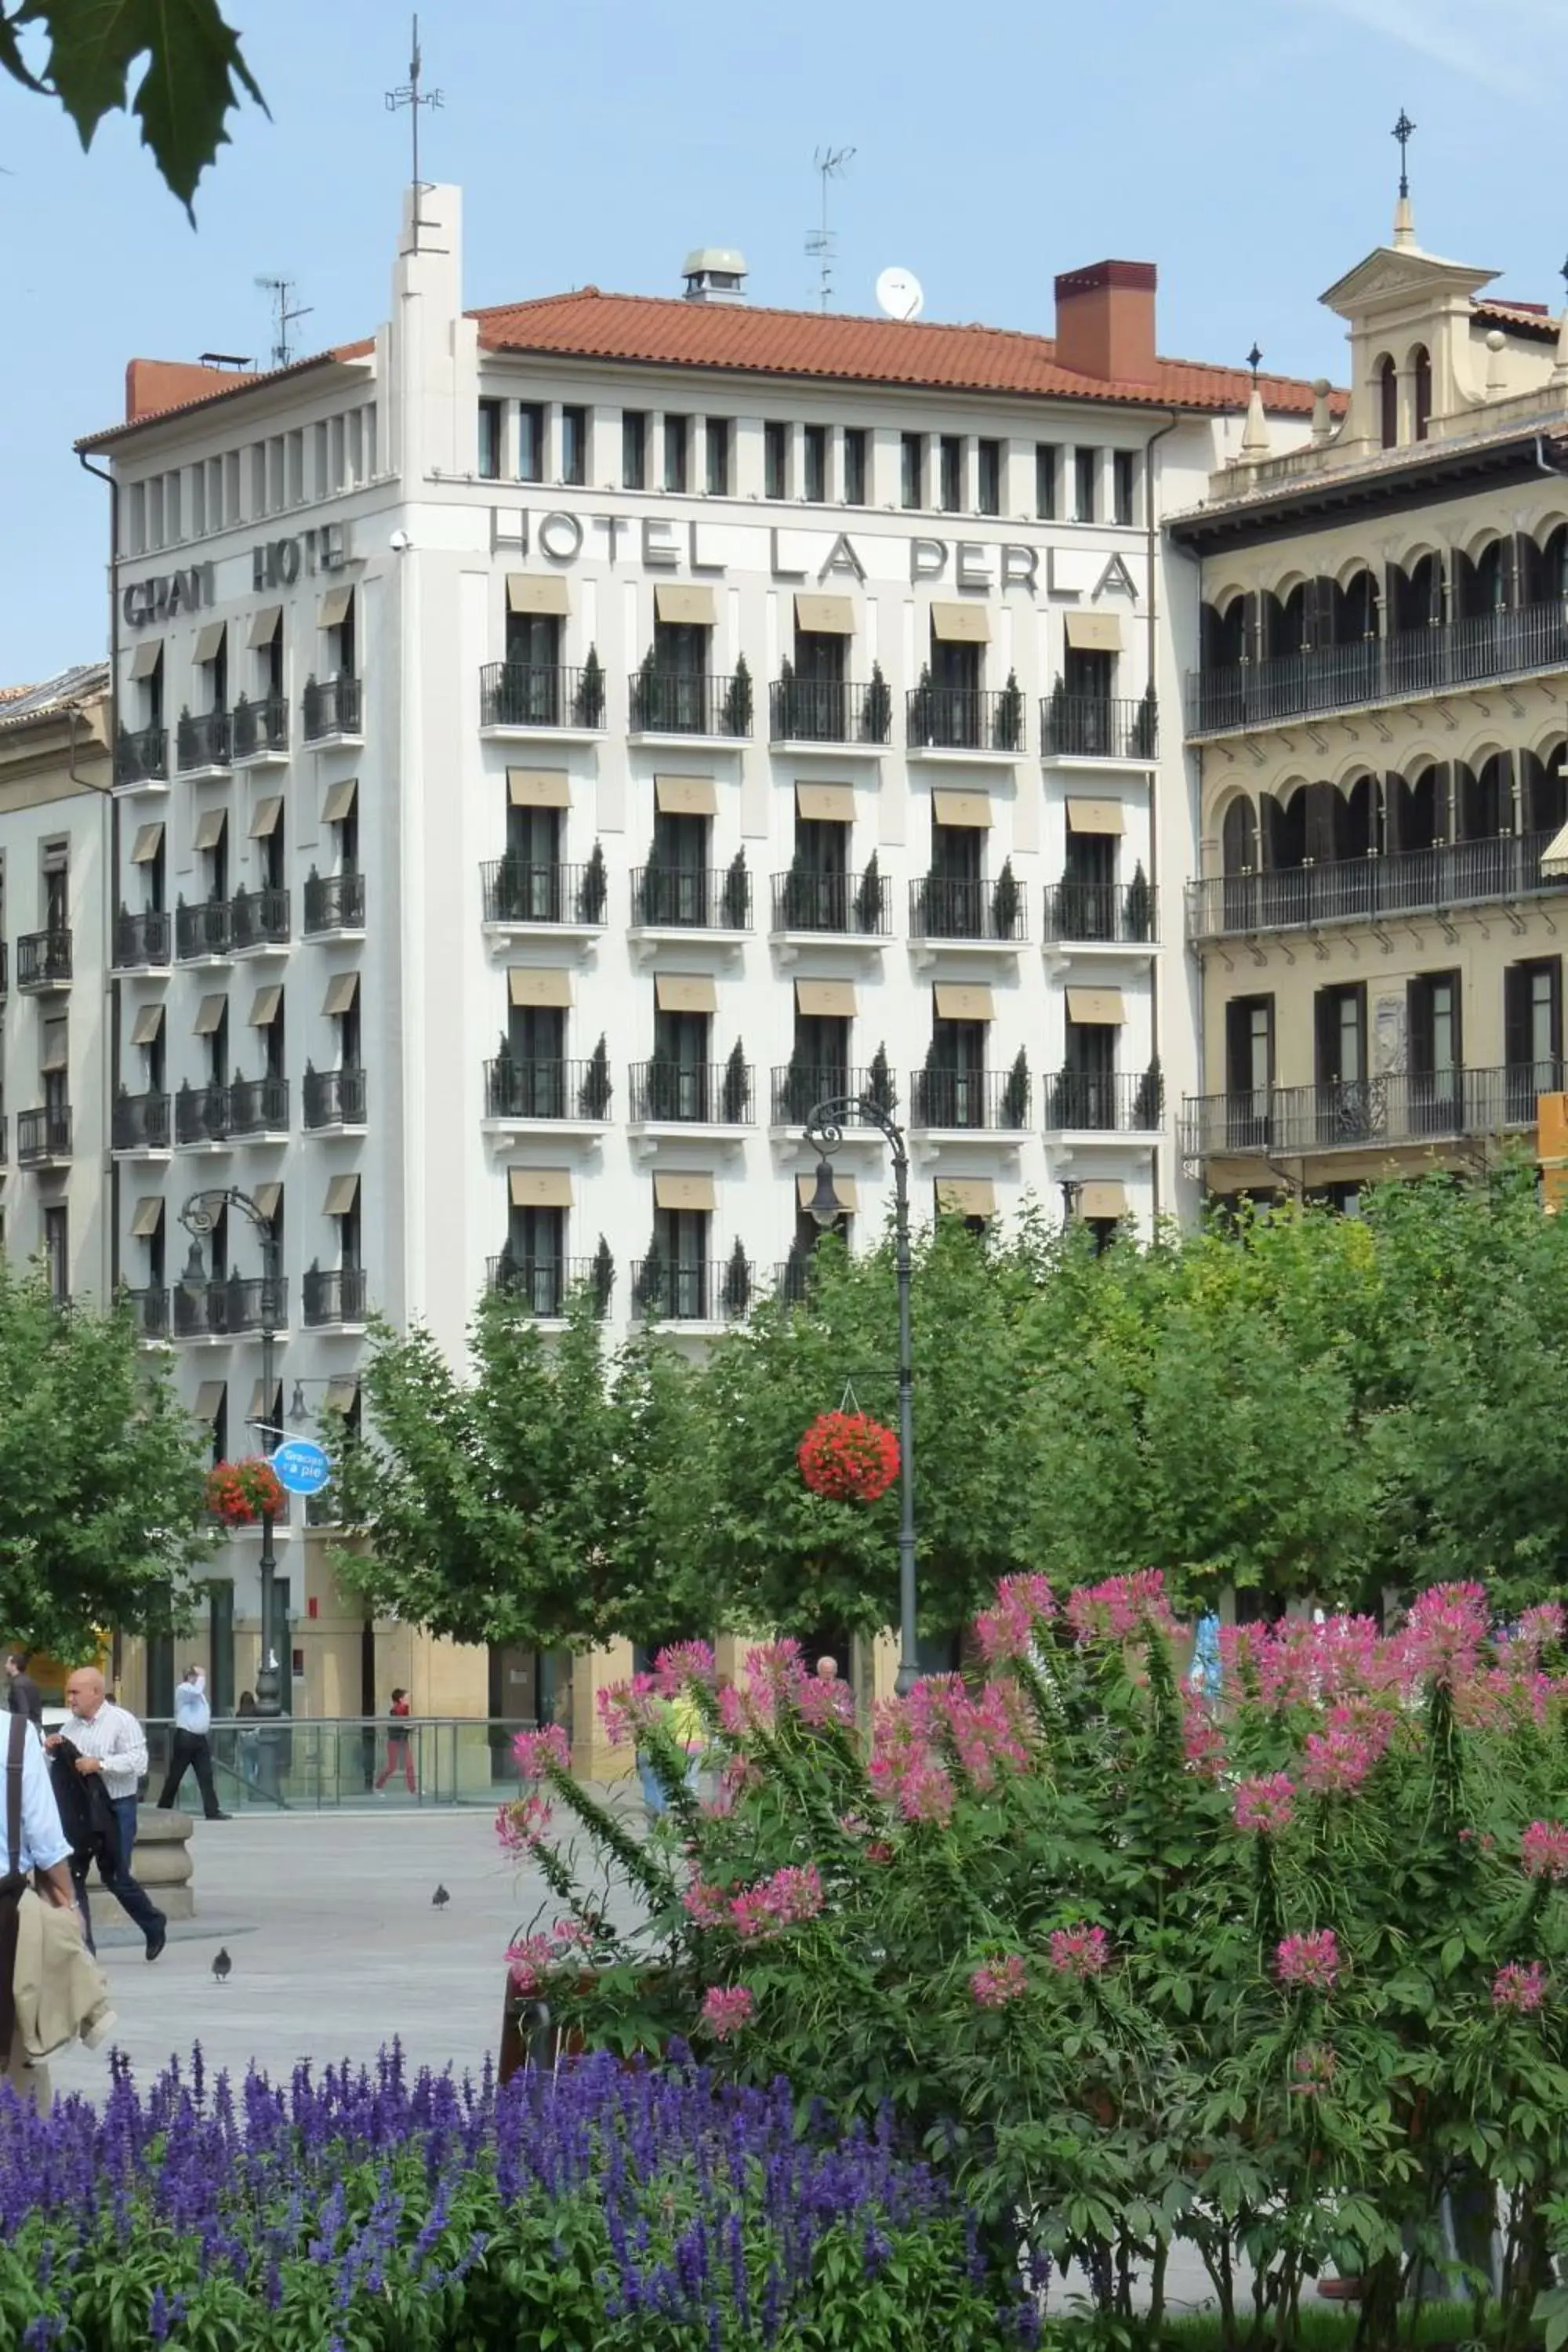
[[592, 2211]]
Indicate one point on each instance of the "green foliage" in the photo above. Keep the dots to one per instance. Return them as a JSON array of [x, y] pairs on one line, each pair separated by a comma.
[[195, 73], [595, 885], [737, 893], [738, 700], [879, 1085], [1009, 724], [590, 702], [595, 1089], [1140, 915], [878, 708], [868, 897], [1006, 900], [736, 1088]]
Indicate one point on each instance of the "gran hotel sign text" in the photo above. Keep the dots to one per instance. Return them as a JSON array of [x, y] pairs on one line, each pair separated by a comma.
[[562, 538]]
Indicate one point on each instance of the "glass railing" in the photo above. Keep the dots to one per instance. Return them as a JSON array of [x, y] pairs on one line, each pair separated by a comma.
[[286, 1763]]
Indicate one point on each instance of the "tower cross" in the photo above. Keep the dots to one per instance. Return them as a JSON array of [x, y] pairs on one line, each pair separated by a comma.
[[1403, 130]]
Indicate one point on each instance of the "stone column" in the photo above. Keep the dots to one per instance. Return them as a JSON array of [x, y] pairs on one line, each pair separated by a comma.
[[162, 1861]]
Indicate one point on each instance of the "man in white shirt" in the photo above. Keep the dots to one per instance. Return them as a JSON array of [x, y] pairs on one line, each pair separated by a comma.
[[42, 1848], [109, 1739], [190, 1749]]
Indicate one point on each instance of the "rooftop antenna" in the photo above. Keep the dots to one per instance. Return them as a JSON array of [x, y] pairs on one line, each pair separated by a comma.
[[822, 242], [411, 95], [286, 311]]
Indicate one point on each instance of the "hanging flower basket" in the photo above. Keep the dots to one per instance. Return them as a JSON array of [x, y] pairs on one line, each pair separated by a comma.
[[240, 1492], [848, 1457]]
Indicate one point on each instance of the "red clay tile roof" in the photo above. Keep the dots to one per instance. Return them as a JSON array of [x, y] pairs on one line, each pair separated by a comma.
[[226, 387], [1524, 318], [668, 331]]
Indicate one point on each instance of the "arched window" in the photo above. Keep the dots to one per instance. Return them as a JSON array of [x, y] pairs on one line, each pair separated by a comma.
[[1239, 838], [1388, 403], [1421, 374]]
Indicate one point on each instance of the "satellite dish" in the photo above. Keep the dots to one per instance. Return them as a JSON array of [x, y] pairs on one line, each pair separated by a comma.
[[898, 294]]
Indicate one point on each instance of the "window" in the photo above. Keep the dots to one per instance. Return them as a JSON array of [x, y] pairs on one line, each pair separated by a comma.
[[258, 487], [952, 456], [854, 439], [1532, 1034], [354, 461], [1124, 475], [1435, 1055], [155, 506], [1388, 403], [912, 460], [54, 868], [231, 486], [337, 452], [1249, 1048], [489, 440], [56, 1250], [988, 490], [678, 1279], [267, 1019], [676, 447], [1342, 1035], [1421, 382], [171, 507], [814, 468], [575, 445], [634, 449], [276, 487], [1086, 468], [776, 461], [198, 501], [295, 461], [718, 436], [136, 519], [536, 1258], [530, 441]]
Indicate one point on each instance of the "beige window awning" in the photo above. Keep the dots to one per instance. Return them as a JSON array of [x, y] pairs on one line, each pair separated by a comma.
[[538, 788], [341, 991], [960, 624], [264, 626], [145, 659], [209, 1401], [964, 1000], [967, 1196], [265, 1409], [844, 1186], [683, 991], [148, 842], [673, 1191], [1093, 633], [147, 1216], [971, 809], [525, 985], [674, 601], [1102, 1199], [825, 803], [825, 999], [209, 641], [1097, 1008], [527, 592], [685, 797], [339, 805], [342, 1196], [824, 616], [264, 1008], [54, 1046], [343, 1395], [148, 1026], [269, 1198], [209, 1016], [1554, 857], [336, 606], [1094, 817], [540, 1188], [264, 823], [209, 830]]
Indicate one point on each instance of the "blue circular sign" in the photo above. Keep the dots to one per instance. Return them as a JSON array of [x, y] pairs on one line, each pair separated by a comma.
[[303, 1466]]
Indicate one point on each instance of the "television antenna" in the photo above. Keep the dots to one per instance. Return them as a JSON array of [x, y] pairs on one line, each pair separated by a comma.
[[413, 95], [899, 294], [284, 312], [822, 244]]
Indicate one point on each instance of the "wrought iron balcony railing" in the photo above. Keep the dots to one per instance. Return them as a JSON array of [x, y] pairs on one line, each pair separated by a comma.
[[258, 1107], [259, 727], [1099, 727], [663, 704], [798, 1087], [516, 1088], [940, 908], [994, 1099], [141, 939], [222, 926], [711, 1094], [201, 739], [141, 756], [141, 1123], [334, 706], [516, 891], [210, 1310], [333, 1099], [830, 710], [545, 1284], [334, 902], [525, 693], [43, 959], [1121, 913], [1363, 889], [334, 1295], [709, 1292], [43, 1137], [150, 1311], [201, 1115], [1406, 1108], [716, 900], [851, 905], [1105, 1102], [963, 718]]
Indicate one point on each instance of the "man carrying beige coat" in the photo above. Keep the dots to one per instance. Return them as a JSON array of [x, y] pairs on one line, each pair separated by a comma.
[[35, 1845]]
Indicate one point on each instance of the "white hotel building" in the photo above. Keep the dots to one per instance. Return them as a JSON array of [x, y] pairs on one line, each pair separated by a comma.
[[558, 743]]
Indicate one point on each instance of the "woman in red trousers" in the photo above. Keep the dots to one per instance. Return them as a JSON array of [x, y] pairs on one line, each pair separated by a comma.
[[399, 1747]]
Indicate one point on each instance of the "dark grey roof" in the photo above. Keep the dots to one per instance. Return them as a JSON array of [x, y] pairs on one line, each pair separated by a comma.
[[79, 684]]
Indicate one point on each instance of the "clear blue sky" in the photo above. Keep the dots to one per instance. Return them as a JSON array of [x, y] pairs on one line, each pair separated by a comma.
[[1241, 145]]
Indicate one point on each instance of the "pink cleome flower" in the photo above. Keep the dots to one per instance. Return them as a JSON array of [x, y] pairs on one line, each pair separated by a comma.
[[531, 1958], [1516, 1986], [788, 1899], [1444, 1632], [1265, 1805], [1310, 1960], [1338, 1760], [1543, 1851], [1080, 1951], [1120, 1607], [1023, 1603], [540, 1753], [521, 1824], [927, 1795], [726, 2008], [1312, 2071], [706, 1906], [683, 1663], [1203, 1741], [997, 1982]]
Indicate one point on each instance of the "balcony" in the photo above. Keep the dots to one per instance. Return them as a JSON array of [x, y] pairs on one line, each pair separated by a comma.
[[201, 1117], [44, 1138], [671, 898], [521, 698], [1406, 665], [259, 734], [717, 1291], [716, 707], [229, 1307], [1098, 729], [974, 913], [561, 897], [791, 1279], [258, 1109], [202, 934], [333, 710], [956, 1101], [963, 720], [1092, 1102], [798, 1087], [334, 1297], [140, 1125], [141, 758], [545, 1284], [43, 961], [520, 1091], [332, 1098], [220, 928], [148, 1312], [202, 743], [842, 906], [831, 711], [141, 941], [1099, 914], [702, 1094], [1403, 1110], [1370, 889], [334, 902]]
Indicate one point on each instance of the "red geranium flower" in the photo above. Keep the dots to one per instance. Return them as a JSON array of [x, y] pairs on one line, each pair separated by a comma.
[[848, 1457], [240, 1492]]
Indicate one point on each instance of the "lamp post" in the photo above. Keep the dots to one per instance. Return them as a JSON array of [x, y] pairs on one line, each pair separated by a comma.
[[825, 1128], [199, 1216]]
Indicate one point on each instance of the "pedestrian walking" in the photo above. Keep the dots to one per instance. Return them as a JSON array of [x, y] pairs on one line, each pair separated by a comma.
[[399, 1747], [23, 1695], [34, 1847], [87, 1818], [191, 1750], [110, 1741], [248, 1740], [682, 1717]]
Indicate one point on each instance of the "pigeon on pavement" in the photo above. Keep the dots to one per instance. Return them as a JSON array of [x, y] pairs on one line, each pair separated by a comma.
[[440, 1899], [222, 1964]]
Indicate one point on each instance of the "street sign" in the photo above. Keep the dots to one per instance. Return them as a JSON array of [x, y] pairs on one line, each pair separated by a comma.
[[303, 1466]]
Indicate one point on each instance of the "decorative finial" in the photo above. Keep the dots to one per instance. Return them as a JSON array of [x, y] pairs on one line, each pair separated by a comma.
[[1403, 130], [1255, 431], [1254, 358]]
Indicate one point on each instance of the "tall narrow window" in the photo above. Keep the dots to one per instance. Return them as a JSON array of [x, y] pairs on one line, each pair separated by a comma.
[[57, 1250], [911, 456], [1047, 465], [489, 441], [1388, 403], [988, 477], [573, 444], [1086, 473], [854, 464], [530, 441], [814, 464], [634, 449], [776, 461], [1124, 477], [717, 438], [676, 447], [1421, 382], [951, 472]]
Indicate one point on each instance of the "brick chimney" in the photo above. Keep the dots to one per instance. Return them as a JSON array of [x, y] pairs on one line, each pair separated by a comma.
[[1105, 321]]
